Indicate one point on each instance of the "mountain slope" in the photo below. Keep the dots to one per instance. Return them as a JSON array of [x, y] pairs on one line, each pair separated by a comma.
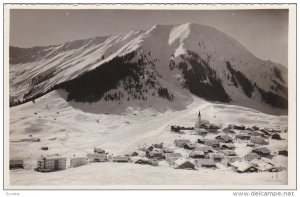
[[165, 64]]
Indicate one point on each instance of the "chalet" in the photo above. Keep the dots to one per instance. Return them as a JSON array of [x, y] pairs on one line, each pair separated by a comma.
[[201, 141], [78, 161], [228, 130], [155, 153], [258, 140], [258, 133], [264, 166], [170, 157], [160, 145], [52, 163], [212, 143], [97, 157], [216, 157], [181, 142], [204, 148], [263, 151], [228, 146], [283, 152], [99, 150], [249, 129], [205, 163], [175, 129], [16, 163], [132, 154], [251, 156], [147, 147], [275, 136], [230, 159], [189, 146], [243, 166], [255, 128], [201, 132], [265, 131], [167, 150], [243, 136], [239, 127], [224, 138], [120, 159], [197, 154], [140, 160], [229, 152], [250, 144], [154, 162], [182, 163]]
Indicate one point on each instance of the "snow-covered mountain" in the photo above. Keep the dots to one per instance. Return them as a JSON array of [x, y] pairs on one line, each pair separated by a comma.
[[159, 68]]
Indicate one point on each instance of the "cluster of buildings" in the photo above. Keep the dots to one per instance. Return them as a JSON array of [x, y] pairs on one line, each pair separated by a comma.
[[219, 148]]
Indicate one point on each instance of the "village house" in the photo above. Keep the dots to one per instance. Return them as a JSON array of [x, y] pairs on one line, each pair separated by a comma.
[[258, 133], [183, 163], [181, 142], [263, 151], [227, 146], [147, 147], [201, 132], [167, 150], [230, 159], [206, 149], [255, 128], [216, 157], [228, 130], [229, 152], [197, 154], [243, 136], [275, 136], [250, 156], [212, 143], [99, 150], [153, 162], [155, 153], [97, 157], [160, 145], [266, 132], [175, 129], [239, 127], [170, 157], [78, 161], [258, 140], [140, 160], [16, 163], [283, 152], [264, 166], [120, 159], [132, 154], [51, 163], [224, 138], [189, 146], [243, 166], [205, 163]]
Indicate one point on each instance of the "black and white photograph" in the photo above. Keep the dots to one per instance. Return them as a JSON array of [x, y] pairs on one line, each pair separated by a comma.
[[150, 97]]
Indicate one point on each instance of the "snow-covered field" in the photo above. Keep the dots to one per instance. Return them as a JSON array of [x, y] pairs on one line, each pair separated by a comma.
[[67, 130]]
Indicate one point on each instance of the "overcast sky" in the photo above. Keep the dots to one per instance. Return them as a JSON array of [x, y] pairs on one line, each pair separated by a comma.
[[263, 32]]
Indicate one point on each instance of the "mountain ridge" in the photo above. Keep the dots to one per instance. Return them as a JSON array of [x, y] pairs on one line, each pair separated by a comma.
[[197, 58]]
